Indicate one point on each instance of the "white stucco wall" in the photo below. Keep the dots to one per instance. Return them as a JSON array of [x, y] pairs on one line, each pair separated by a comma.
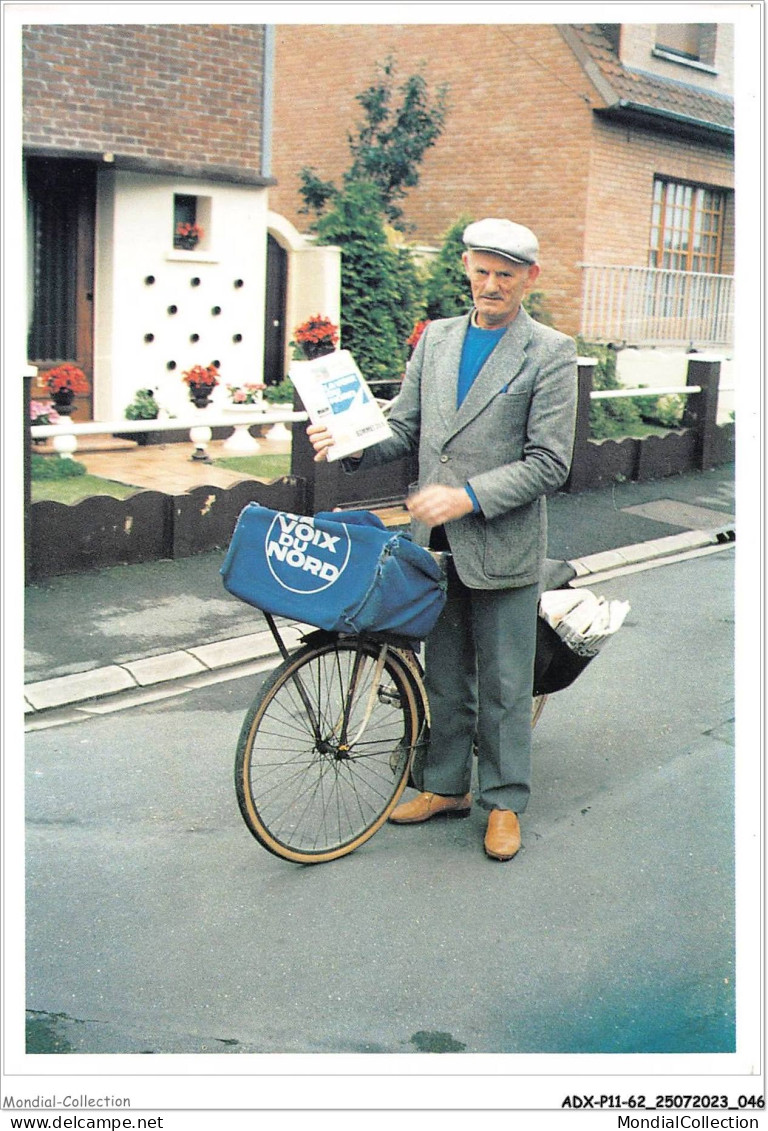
[[134, 241], [314, 278], [638, 42]]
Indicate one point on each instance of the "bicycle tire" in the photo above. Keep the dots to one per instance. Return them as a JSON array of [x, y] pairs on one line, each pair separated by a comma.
[[301, 795]]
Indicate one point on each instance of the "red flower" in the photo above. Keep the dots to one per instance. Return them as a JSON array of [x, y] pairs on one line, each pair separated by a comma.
[[207, 375], [316, 329], [416, 333], [191, 232], [67, 377]]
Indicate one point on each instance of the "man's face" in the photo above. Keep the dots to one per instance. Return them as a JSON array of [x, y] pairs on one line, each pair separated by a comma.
[[498, 285]]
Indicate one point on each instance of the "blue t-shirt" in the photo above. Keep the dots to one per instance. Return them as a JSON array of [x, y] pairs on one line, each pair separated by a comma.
[[478, 346]]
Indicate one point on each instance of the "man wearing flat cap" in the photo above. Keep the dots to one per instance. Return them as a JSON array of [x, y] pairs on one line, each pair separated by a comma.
[[489, 403]]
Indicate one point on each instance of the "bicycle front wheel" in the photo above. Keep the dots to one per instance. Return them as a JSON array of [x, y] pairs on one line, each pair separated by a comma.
[[324, 751]]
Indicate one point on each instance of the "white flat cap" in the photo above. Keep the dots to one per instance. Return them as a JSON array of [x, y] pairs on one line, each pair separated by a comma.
[[502, 237]]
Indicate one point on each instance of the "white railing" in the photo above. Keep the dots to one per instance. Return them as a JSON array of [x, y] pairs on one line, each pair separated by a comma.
[[649, 306], [64, 435], [644, 391]]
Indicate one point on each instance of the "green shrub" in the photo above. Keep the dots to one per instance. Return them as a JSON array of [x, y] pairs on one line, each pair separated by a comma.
[[608, 418], [143, 406], [54, 467], [666, 411], [410, 285], [399, 126], [372, 282], [281, 393], [535, 302], [448, 292]]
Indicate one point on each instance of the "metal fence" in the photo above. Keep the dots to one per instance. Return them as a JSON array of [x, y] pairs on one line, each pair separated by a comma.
[[650, 306]]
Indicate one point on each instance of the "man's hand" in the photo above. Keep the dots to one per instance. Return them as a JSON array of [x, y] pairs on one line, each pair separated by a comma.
[[438, 504], [321, 440]]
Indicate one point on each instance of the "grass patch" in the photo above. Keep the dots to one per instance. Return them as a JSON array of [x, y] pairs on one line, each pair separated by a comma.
[[72, 490], [272, 466]]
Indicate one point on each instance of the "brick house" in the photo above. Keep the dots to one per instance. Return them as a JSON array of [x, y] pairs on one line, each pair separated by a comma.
[[614, 142], [128, 131]]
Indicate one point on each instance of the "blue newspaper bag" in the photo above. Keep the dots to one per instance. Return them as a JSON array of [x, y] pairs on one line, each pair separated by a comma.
[[341, 570]]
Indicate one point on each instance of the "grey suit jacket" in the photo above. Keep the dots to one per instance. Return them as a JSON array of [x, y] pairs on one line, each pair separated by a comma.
[[511, 440]]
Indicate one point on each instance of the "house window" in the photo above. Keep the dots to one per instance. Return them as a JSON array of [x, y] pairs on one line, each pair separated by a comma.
[[692, 43], [686, 227], [191, 221]]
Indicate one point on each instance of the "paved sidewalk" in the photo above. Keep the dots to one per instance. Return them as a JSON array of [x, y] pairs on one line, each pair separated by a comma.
[[136, 628]]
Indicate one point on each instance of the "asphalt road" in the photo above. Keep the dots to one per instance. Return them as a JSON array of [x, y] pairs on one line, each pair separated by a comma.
[[155, 923]]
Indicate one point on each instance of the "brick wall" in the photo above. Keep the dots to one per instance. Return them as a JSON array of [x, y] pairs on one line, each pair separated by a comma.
[[498, 154], [521, 140], [624, 163], [186, 94]]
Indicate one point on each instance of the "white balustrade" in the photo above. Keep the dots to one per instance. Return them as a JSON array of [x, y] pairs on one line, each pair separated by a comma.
[[649, 306], [65, 434]]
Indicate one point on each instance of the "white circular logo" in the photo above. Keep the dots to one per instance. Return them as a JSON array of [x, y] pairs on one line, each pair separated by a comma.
[[302, 557]]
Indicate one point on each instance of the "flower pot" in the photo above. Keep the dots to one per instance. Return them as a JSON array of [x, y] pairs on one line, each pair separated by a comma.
[[311, 350], [200, 395], [63, 399]]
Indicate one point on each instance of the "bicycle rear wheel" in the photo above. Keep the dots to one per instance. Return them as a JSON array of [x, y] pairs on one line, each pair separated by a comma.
[[325, 748]]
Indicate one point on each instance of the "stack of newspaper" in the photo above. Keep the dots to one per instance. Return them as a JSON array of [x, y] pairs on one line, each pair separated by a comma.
[[583, 621]]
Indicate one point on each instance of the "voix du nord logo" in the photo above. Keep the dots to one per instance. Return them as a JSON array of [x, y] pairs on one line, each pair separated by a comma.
[[303, 558]]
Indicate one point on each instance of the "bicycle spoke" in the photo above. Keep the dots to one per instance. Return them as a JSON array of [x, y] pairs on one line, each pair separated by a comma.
[[324, 755]]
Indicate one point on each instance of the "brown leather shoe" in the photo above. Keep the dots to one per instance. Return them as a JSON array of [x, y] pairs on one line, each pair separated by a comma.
[[428, 805], [502, 838]]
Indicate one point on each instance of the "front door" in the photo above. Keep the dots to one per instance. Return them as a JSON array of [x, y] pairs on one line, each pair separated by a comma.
[[274, 313], [62, 205]]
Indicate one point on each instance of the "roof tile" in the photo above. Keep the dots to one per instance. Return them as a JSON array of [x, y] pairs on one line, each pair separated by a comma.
[[644, 89]]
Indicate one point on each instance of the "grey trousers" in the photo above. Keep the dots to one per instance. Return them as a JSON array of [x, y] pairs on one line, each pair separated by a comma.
[[479, 675]]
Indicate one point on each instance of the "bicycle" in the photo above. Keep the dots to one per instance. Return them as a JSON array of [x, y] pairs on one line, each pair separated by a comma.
[[341, 726], [335, 734]]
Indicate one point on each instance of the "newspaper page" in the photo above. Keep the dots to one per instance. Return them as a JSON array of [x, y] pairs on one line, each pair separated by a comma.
[[334, 393]]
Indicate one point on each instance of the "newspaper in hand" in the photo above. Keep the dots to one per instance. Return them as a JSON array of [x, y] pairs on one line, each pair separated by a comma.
[[335, 394]]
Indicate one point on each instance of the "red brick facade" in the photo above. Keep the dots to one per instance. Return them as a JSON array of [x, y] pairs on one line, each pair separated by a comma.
[[189, 95], [624, 164], [521, 140]]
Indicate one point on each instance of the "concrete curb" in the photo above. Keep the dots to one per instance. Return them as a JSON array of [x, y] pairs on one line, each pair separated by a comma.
[[259, 647]]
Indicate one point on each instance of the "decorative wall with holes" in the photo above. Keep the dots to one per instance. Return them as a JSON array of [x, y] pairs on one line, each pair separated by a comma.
[[160, 308]]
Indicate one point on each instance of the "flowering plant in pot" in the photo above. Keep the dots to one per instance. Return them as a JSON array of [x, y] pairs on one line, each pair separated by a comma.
[[41, 412], [247, 394], [144, 406], [201, 380], [314, 338], [65, 382], [187, 236]]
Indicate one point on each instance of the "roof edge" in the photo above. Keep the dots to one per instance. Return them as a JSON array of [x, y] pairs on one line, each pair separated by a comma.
[[156, 166], [601, 84], [624, 109]]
